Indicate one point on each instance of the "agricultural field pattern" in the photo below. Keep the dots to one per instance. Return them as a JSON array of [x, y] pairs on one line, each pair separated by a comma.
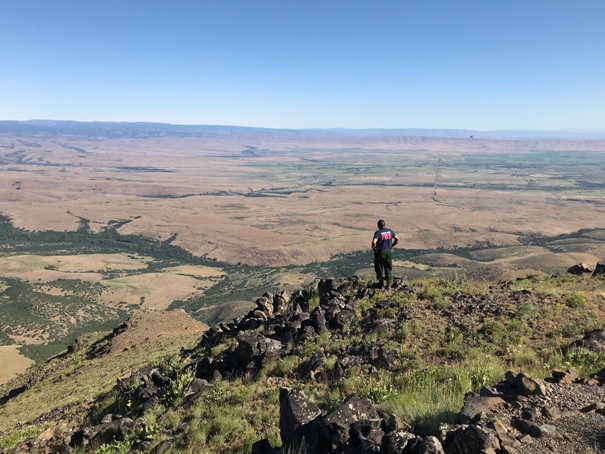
[[98, 221]]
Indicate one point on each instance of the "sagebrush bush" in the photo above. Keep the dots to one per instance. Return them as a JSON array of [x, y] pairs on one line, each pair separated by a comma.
[[576, 300]]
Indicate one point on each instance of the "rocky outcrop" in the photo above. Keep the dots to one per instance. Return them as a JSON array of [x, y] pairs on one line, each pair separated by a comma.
[[599, 269], [512, 416], [508, 418], [582, 268], [579, 268]]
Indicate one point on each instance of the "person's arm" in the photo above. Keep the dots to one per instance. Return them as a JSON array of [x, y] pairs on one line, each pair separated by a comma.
[[395, 240], [374, 243]]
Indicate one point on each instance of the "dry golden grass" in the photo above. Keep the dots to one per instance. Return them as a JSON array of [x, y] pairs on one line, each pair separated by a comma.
[[159, 290], [143, 289], [13, 363], [152, 335], [443, 259], [325, 205], [83, 267], [408, 264]]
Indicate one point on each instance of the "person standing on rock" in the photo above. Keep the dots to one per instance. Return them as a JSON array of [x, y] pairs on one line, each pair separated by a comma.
[[382, 244]]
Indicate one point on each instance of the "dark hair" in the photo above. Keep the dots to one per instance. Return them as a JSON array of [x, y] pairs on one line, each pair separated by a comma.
[[381, 224]]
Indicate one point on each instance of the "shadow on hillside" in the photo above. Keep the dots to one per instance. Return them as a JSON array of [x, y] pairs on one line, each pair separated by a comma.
[[429, 424]]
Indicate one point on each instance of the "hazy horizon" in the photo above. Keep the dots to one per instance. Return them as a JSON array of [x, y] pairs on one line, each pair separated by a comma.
[[94, 127]]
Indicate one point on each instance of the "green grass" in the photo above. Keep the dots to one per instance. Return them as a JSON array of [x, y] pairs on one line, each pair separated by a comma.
[[437, 360], [72, 380], [576, 300], [426, 396]]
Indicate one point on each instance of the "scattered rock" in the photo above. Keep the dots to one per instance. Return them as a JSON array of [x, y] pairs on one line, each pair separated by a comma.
[[564, 377], [531, 414], [519, 415], [597, 406], [47, 435], [533, 429], [551, 413]]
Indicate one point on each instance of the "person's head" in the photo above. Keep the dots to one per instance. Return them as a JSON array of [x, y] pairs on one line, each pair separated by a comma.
[[381, 224]]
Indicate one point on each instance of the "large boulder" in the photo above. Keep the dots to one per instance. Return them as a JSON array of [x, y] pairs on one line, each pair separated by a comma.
[[340, 285], [248, 347], [339, 420], [599, 269], [473, 439], [399, 441], [579, 268], [318, 320], [262, 447], [343, 319], [365, 436], [281, 302], [529, 386], [265, 304], [299, 422], [473, 405], [300, 301], [430, 445]]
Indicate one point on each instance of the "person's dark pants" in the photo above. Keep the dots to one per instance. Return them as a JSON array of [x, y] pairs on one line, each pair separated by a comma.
[[383, 265]]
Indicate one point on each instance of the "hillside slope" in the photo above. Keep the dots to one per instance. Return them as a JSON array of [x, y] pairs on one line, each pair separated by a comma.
[[66, 384], [344, 367]]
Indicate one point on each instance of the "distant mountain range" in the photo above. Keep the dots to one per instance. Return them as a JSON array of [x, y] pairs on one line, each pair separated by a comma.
[[144, 130]]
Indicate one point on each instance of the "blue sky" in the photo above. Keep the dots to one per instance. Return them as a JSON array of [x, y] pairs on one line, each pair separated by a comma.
[[472, 64]]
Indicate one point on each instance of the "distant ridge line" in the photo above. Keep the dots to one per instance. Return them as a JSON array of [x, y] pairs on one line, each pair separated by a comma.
[[111, 129]]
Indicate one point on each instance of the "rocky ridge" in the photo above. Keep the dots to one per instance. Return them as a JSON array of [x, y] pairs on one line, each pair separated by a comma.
[[520, 414]]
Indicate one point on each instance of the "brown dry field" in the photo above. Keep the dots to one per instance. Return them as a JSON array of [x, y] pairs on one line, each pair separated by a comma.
[[297, 199], [154, 290], [292, 199], [12, 362], [159, 290]]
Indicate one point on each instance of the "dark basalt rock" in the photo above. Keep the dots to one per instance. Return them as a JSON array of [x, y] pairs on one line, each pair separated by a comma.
[[343, 319], [471, 440], [398, 442], [579, 268], [298, 423], [599, 269], [593, 341], [473, 405], [318, 320], [339, 420]]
